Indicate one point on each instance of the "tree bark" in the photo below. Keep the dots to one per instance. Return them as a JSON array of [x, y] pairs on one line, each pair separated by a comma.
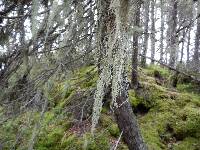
[[134, 76], [182, 48], [162, 31], [153, 30], [124, 115], [196, 55], [173, 35], [146, 34], [127, 121], [104, 24], [188, 48]]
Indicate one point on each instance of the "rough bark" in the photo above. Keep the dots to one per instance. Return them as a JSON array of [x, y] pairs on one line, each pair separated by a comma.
[[127, 122], [104, 24], [162, 19], [196, 56], [153, 30], [146, 34], [188, 48], [173, 35], [124, 115], [182, 48], [134, 76]]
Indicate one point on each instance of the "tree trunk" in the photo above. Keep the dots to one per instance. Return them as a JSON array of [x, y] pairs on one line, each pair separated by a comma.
[[188, 48], [103, 26], [196, 55], [182, 48], [173, 35], [124, 115], [162, 31], [134, 76], [146, 34], [153, 30], [127, 121]]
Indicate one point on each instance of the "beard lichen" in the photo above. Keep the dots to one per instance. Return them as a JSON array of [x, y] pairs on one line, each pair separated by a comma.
[[115, 60]]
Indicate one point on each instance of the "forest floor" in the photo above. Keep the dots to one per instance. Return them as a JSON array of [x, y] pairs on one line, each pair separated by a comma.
[[169, 118]]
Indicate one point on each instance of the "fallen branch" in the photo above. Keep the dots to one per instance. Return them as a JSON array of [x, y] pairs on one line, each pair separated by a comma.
[[172, 68]]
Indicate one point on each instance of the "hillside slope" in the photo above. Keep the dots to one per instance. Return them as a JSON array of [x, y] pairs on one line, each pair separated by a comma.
[[169, 118]]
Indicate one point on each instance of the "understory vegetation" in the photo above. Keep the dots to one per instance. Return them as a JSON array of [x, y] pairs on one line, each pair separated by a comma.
[[169, 118]]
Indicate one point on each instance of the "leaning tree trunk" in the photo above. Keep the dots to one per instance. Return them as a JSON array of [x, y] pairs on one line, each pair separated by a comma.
[[127, 122], [146, 34], [124, 115], [134, 75]]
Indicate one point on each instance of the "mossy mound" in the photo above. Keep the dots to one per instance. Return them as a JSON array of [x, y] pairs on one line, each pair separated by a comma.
[[171, 119]]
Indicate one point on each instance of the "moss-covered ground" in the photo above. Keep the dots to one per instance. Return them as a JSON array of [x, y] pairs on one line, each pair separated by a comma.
[[168, 118]]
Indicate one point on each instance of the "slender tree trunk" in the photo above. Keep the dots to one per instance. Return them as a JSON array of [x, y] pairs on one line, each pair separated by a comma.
[[146, 34], [182, 48], [173, 35], [134, 76], [196, 55], [188, 48], [153, 30], [162, 31]]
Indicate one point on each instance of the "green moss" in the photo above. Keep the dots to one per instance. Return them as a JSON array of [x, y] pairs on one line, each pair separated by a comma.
[[50, 138], [65, 101], [188, 143], [132, 98], [153, 128], [148, 95], [48, 116], [99, 142], [105, 120], [188, 88], [149, 70], [72, 142], [114, 130], [105, 110], [165, 120], [172, 115], [187, 123], [85, 77]]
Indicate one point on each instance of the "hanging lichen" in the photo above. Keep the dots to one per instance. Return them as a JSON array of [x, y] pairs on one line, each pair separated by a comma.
[[115, 61]]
